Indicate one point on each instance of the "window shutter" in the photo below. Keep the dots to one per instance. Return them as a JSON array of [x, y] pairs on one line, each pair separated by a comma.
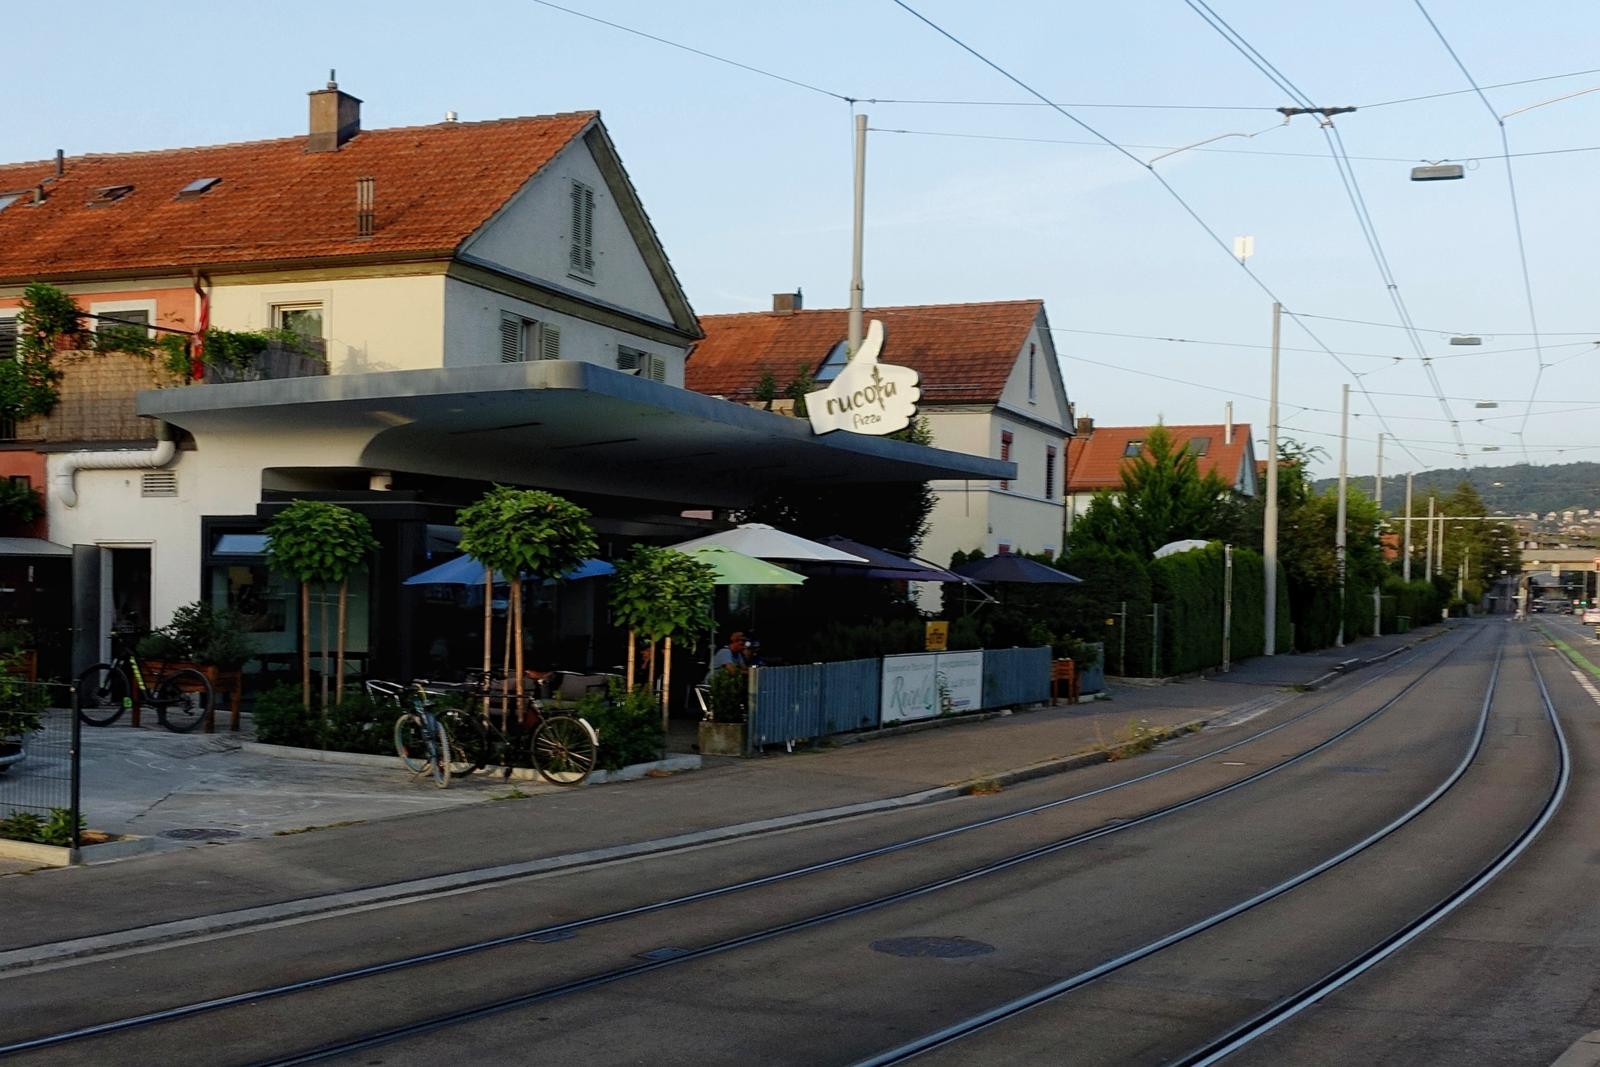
[[549, 342], [588, 230], [658, 369], [8, 338], [510, 339], [580, 255], [1005, 454], [627, 359]]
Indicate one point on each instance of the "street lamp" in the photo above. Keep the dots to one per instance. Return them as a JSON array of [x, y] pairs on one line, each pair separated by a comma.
[[1438, 172]]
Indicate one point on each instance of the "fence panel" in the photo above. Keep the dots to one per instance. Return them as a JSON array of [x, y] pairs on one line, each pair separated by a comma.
[[37, 762], [814, 700], [1013, 676]]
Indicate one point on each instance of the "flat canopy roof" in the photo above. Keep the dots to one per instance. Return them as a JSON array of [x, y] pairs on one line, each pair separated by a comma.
[[568, 425]]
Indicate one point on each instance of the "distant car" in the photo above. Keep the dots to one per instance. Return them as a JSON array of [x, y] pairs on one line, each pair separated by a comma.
[[1590, 615]]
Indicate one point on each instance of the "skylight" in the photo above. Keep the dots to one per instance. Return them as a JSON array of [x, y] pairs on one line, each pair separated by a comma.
[[197, 187], [833, 364], [110, 194], [8, 199]]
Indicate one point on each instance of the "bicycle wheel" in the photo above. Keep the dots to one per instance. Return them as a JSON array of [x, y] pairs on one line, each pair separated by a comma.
[[467, 745], [411, 742], [439, 754], [565, 749], [101, 694], [183, 699]]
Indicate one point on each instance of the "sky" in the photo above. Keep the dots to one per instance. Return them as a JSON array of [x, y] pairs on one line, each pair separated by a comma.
[[991, 194]]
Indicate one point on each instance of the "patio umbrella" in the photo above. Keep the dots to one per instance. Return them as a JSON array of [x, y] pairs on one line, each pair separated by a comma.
[[1172, 548], [464, 570], [881, 564], [765, 542], [736, 568], [1010, 568]]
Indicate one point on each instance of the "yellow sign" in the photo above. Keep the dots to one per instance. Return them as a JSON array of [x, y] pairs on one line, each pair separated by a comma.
[[937, 638]]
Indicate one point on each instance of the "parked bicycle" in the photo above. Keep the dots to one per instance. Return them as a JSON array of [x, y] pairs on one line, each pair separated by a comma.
[[421, 739], [182, 698]]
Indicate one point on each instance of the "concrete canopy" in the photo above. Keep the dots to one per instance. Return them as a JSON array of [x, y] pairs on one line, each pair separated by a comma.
[[563, 425]]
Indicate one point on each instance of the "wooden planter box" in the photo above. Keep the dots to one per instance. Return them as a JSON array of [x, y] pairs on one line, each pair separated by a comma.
[[225, 685], [722, 738]]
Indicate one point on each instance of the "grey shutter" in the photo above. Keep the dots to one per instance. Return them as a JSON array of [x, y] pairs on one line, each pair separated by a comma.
[[549, 342], [575, 228], [588, 230], [8, 338], [627, 359], [657, 368], [511, 333]]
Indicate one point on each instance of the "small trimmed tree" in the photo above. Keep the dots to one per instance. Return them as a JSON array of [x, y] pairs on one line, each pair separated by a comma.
[[522, 533], [315, 541], [660, 594]]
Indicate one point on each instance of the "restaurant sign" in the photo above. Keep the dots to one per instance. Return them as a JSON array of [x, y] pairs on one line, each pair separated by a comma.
[[867, 396], [927, 686]]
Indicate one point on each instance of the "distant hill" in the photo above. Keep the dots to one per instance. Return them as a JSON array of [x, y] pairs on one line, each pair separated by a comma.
[[1520, 488]]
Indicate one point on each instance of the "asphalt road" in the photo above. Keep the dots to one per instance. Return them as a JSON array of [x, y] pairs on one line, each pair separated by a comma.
[[841, 964]]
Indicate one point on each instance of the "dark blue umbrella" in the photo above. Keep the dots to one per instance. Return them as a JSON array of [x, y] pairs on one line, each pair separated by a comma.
[[464, 570], [1009, 568], [880, 563]]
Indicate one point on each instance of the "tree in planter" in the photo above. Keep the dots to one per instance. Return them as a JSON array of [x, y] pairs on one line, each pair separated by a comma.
[[521, 533], [315, 541], [659, 594]]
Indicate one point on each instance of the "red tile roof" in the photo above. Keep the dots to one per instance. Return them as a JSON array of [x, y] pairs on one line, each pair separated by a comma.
[[1095, 459], [964, 352], [276, 202]]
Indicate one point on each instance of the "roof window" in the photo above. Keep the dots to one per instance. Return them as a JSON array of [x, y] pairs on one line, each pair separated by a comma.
[[110, 194], [1132, 449], [1199, 446], [837, 358], [196, 188], [8, 199]]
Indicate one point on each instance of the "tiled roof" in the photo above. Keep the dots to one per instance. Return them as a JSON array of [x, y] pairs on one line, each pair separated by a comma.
[[1094, 459], [276, 202], [964, 352]]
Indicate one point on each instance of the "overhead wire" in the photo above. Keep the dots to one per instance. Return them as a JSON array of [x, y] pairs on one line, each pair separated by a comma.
[[1516, 210], [1167, 186]]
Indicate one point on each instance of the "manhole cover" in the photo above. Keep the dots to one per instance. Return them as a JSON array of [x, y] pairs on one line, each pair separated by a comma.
[[200, 833], [939, 948]]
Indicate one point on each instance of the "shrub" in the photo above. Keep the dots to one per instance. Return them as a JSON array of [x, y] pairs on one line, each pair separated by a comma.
[[26, 826], [281, 718], [629, 725], [730, 692], [22, 703], [199, 633]]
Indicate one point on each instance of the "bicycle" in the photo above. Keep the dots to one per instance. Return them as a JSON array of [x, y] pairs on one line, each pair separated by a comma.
[[101, 693], [562, 747], [420, 739]]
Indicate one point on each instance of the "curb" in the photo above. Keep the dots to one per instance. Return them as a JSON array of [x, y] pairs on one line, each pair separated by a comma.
[[632, 772], [1584, 1052], [61, 856]]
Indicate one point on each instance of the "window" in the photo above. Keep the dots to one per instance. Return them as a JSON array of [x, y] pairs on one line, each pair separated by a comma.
[[302, 320], [8, 335], [1199, 446], [1133, 449], [1005, 455], [837, 358], [580, 259], [1049, 472], [643, 364], [110, 194], [198, 187], [111, 320], [1033, 377], [523, 339], [8, 199]]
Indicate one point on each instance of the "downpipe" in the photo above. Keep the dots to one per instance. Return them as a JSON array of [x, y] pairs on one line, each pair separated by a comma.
[[64, 485]]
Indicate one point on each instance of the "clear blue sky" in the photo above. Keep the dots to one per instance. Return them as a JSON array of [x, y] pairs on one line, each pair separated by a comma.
[[748, 178]]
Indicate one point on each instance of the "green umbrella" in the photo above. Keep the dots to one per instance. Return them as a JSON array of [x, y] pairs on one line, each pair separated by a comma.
[[736, 568]]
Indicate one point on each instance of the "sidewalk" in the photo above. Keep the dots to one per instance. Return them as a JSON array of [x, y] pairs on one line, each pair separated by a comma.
[[724, 799]]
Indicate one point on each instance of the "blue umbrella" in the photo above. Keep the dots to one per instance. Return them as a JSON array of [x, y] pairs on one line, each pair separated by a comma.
[[464, 570], [1009, 568]]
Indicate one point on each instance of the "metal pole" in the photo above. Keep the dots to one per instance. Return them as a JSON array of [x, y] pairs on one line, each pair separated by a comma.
[[1269, 532], [1377, 479], [1344, 479], [1427, 567], [1122, 640], [1377, 610], [1227, 607], [1155, 640], [1406, 563], [77, 787], [857, 287]]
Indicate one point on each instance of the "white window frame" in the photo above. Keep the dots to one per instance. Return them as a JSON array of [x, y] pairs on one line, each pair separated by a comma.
[[111, 307], [276, 309]]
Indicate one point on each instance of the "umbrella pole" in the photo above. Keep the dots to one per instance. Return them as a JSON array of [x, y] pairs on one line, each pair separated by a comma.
[[632, 641], [666, 691], [488, 634], [516, 599]]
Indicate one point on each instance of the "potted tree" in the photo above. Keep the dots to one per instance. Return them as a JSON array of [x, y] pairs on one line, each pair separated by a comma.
[[22, 707], [722, 733], [205, 638], [659, 594]]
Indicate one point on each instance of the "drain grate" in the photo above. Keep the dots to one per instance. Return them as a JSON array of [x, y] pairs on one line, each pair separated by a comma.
[[200, 833], [938, 948]]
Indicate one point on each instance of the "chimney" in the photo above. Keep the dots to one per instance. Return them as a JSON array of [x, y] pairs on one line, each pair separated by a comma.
[[61, 162], [335, 118], [1227, 426], [787, 303], [1085, 427]]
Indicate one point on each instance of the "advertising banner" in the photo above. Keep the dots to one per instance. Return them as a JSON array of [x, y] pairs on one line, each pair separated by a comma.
[[926, 686]]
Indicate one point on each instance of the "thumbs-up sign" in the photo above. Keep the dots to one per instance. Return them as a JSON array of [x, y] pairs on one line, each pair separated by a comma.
[[867, 396]]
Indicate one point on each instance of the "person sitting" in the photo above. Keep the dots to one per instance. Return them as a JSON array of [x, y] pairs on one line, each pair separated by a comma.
[[730, 657]]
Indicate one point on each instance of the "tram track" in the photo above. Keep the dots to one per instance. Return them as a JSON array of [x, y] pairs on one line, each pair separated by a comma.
[[560, 930], [1291, 1004]]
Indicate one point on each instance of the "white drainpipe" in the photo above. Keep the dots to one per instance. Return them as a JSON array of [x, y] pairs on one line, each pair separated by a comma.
[[69, 464]]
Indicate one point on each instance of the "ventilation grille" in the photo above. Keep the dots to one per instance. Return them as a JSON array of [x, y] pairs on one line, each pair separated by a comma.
[[158, 483]]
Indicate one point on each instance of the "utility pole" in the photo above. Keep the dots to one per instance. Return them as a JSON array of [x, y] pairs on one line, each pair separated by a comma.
[[1227, 608], [1377, 479], [1344, 479], [1405, 565], [1269, 533], [857, 286], [1427, 569]]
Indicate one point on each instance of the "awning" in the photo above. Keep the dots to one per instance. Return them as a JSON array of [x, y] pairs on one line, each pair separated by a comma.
[[32, 546], [562, 425]]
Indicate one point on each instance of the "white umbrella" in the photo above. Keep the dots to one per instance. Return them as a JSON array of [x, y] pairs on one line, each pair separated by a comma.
[[765, 542], [1172, 548]]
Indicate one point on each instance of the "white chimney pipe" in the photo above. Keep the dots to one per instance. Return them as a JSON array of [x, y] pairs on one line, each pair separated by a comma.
[[1227, 426], [70, 463]]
